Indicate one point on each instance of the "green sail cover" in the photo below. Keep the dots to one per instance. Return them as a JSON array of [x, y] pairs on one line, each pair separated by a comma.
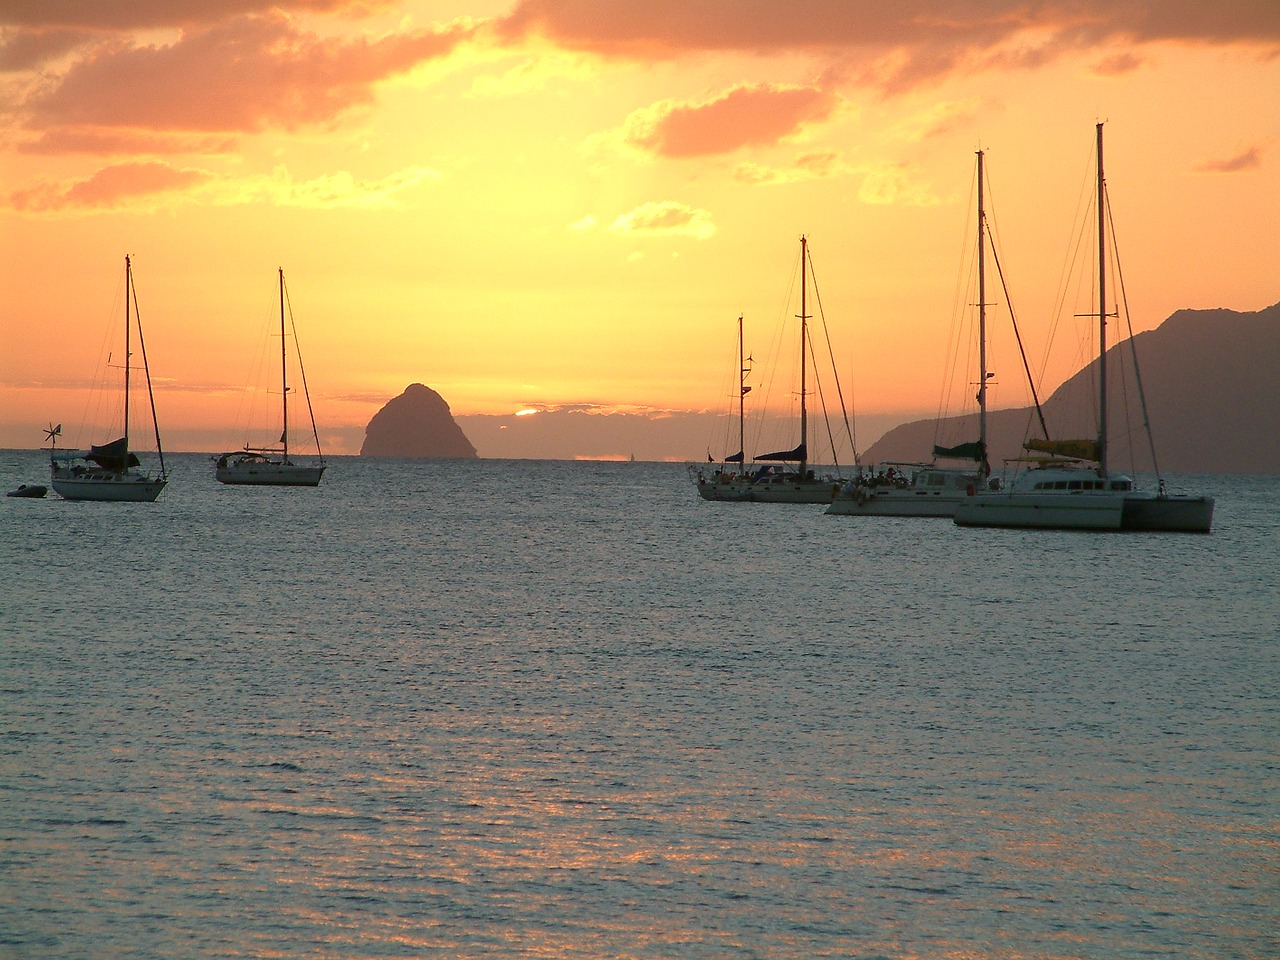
[[965, 451]]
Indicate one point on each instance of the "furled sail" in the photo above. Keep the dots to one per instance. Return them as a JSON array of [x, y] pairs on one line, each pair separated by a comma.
[[974, 450], [734, 458], [1078, 449], [788, 455], [113, 456]]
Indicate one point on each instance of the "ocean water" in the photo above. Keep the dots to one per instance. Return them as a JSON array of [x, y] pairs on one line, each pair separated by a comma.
[[552, 709]]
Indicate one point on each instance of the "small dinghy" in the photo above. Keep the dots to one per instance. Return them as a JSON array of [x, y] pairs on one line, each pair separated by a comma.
[[28, 490]]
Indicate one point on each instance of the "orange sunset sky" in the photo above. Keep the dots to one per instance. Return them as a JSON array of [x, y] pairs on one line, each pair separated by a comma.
[[532, 203]]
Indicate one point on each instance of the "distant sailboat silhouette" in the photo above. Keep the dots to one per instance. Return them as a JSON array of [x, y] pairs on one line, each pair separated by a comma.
[[272, 466], [109, 472], [770, 483]]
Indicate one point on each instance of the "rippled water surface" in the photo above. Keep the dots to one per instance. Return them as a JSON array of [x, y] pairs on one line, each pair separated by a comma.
[[527, 709]]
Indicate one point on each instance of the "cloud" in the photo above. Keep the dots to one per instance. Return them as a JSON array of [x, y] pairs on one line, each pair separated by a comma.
[[241, 75], [745, 116], [146, 185], [114, 186], [145, 14], [336, 190], [892, 46], [28, 49], [665, 218], [895, 184], [99, 142], [820, 165], [1121, 63], [1250, 159]]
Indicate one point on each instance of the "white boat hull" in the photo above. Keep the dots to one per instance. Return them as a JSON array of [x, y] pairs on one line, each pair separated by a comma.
[[270, 474], [896, 503], [755, 488], [1084, 510], [931, 492], [119, 488]]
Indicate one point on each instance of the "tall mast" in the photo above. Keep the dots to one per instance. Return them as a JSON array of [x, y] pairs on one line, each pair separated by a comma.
[[804, 332], [742, 395], [1102, 313], [128, 291], [982, 319], [284, 376]]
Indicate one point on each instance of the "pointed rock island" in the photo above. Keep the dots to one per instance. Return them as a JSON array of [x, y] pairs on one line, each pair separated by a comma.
[[415, 424]]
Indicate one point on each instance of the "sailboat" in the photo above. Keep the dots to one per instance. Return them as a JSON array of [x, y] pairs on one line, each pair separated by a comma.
[[768, 481], [727, 481], [112, 471], [927, 489], [1071, 486], [273, 466]]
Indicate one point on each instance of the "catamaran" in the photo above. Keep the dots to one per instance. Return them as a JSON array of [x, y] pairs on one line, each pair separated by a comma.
[[273, 466], [112, 471], [1071, 485]]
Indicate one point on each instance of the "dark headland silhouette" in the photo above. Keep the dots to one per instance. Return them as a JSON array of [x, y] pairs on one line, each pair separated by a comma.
[[1212, 390], [415, 424]]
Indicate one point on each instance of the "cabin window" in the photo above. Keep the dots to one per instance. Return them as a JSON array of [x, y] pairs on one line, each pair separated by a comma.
[[1060, 485], [1075, 485], [1120, 485]]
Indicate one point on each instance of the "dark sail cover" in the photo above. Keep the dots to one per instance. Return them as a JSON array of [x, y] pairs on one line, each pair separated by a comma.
[[734, 458], [965, 451], [1079, 449], [113, 456], [788, 455]]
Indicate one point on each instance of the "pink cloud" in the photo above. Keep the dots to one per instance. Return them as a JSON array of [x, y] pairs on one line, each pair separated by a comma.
[[1119, 64], [894, 45], [745, 116], [116, 141], [242, 75], [134, 14], [1250, 159], [27, 49], [107, 188]]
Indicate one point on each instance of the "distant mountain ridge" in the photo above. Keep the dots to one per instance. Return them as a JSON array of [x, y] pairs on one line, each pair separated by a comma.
[[1213, 397]]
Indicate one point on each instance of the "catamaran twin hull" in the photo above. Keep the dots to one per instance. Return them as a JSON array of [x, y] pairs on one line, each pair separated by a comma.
[[1088, 511]]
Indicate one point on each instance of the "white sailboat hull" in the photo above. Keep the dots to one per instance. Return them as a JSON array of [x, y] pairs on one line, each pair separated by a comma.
[[930, 493], [121, 488], [269, 473], [782, 488]]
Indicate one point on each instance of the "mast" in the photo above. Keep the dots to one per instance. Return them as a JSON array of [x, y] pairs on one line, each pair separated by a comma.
[[982, 321], [1102, 313], [742, 396], [128, 290], [804, 318], [284, 377]]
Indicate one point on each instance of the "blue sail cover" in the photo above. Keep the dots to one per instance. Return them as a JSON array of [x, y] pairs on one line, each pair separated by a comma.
[[796, 455], [734, 458]]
